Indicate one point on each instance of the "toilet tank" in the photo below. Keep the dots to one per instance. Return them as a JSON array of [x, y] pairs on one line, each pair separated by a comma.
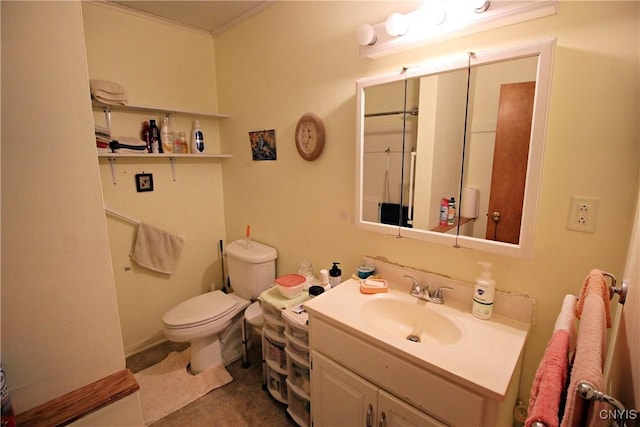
[[251, 267]]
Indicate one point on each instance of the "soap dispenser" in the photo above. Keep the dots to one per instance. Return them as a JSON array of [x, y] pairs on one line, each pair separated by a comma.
[[335, 275], [483, 293]]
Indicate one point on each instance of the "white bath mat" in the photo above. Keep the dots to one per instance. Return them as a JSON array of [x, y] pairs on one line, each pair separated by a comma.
[[167, 386]]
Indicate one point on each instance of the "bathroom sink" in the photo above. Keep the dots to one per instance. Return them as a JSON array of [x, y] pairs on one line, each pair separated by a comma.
[[410, 318]]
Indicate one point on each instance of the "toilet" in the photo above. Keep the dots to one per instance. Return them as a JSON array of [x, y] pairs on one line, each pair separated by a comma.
[[212, 322]]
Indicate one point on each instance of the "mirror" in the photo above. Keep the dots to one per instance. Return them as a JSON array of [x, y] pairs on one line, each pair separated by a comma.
[[468, 129]]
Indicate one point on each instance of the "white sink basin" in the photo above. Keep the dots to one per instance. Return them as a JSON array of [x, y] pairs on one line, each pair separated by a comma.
[[452, 342], [412, 319]]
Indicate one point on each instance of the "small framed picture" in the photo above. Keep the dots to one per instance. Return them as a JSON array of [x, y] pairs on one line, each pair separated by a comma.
[[263, 144], [144, 182]]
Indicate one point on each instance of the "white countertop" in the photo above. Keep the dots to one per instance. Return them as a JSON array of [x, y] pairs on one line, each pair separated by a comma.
[[483, 357]]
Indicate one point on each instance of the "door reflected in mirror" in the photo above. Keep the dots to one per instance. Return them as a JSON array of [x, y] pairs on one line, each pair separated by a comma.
[[472, 133]]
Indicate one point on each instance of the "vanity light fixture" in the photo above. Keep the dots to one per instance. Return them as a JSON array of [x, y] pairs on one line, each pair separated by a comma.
[[396, 25], [366, 35], [434, 12], [440, 20]]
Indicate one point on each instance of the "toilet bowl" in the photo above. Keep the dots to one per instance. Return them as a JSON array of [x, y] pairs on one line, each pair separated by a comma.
[[203, 321], [212, 322]]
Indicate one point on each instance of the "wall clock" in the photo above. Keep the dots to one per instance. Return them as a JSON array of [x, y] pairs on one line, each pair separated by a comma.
[[310, 136]]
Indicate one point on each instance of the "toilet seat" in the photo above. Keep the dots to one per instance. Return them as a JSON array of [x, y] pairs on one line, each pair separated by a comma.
[[200, 310]]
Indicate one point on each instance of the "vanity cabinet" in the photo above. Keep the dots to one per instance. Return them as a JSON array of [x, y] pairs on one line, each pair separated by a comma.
[[347, 399], [349, 373]]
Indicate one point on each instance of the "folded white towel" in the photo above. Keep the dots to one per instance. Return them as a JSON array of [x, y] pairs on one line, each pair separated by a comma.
[[130, 150], [108, 101], [156, 249], [106, 87], [108, 92], [131, 140]]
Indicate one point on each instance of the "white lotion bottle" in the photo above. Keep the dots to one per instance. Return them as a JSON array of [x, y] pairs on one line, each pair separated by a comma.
[[484, 293], [197, 138]]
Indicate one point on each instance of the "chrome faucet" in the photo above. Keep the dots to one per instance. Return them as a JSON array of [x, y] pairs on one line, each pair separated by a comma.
[[422, 292]]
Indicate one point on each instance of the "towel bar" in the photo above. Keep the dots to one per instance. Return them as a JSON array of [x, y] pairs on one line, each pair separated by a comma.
[[588, 392], [621, 291]]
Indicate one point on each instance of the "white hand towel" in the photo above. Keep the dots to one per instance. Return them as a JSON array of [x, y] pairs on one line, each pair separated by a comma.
[[156, 249], [108, 92]]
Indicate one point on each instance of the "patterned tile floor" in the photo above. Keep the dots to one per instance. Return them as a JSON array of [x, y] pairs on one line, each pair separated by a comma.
[[240, 403]]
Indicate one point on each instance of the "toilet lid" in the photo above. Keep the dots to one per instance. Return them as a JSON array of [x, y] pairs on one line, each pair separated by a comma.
[[199, 310]]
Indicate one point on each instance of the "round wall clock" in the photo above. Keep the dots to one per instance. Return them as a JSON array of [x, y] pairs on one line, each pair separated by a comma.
[[310, 136]]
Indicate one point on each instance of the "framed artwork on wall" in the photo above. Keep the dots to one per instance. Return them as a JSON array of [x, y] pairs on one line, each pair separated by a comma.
[[144, 182], [263, 144]]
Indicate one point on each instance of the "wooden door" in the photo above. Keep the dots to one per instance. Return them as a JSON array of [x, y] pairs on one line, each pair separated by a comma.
[[510, 157]]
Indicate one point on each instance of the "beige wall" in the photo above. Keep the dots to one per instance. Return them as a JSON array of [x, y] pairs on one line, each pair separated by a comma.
[[301, 56], [169, 66], [60, 325], [268, 71]]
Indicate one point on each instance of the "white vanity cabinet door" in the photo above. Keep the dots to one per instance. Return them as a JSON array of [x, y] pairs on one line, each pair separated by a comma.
[[392, 412], [343, 398], [340, 397]]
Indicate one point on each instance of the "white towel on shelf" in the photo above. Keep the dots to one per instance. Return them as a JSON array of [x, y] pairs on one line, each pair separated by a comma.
[[108, 92], [156, 249]]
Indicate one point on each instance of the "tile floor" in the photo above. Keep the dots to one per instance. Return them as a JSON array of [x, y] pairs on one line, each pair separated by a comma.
[[240, 403]]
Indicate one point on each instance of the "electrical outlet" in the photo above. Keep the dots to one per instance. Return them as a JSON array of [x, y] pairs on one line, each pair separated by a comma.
[[582, 214]]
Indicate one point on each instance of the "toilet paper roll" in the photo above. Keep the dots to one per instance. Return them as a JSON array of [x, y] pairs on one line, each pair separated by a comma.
[[469, 207]]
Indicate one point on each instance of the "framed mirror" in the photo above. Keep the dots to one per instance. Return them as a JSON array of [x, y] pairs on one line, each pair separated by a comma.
[[469, 130]]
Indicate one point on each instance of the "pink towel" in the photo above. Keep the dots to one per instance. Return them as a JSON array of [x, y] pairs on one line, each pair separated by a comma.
[[589, 358], [550, 380], [595, 283]]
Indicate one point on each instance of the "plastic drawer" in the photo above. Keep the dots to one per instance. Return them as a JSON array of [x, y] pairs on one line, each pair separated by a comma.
[[297, 349], [274, 352], [298, 373], [297, 332], [299, 407], [271, 311], [277, 384]]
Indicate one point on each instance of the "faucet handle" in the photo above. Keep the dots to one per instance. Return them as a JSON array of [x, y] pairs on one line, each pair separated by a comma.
[[438, 292], [416, 288]]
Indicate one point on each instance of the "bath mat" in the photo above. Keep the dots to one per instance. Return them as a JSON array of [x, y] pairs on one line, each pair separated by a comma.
[[167, 386]]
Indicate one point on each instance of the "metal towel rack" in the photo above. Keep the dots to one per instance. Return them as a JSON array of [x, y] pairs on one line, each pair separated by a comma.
[[121, 216], [586, 390], [621, 291]]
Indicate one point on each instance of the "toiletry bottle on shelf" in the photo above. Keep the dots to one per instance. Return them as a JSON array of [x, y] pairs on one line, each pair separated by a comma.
[[444, 211], [483, 293], [156, 146], [451, 215], [166, 135], [324, 279], [146, 135], [197, 138], [180, 143], [335, 275]]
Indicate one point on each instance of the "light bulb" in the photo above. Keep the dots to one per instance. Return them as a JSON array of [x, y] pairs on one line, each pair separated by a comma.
[[396, 25], [434, 12], [365, 35]]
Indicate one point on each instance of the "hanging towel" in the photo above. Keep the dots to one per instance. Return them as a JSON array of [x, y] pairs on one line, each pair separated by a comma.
[[597, 284], [108, 92], [588, 362], [156, 249], [547, 391]]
